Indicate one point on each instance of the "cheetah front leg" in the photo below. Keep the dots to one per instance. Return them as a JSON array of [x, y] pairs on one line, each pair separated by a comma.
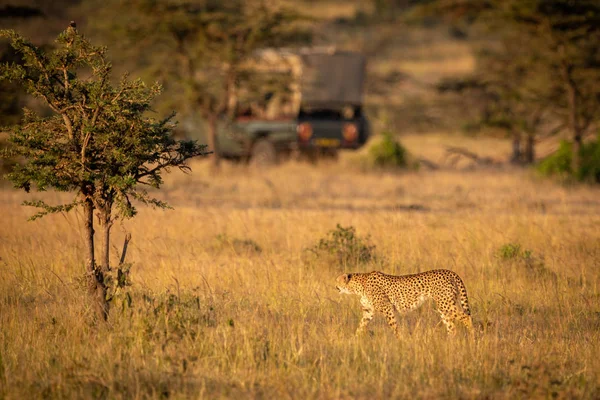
[[449, 322], [385, 306], [366, 318]]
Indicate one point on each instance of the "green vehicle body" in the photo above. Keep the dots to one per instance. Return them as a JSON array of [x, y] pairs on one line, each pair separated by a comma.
[[329, 115], [237, 138]]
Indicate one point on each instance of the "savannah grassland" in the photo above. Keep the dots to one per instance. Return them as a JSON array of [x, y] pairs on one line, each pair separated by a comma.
[[214, 316], [227, 302]]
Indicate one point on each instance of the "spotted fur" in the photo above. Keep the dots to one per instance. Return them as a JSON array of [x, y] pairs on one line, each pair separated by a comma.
[[381, 292]]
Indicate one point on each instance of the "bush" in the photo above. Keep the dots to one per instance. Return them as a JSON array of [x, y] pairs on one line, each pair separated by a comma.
[[388, 153], [512, 251], [559, 163], [590, 161], [515, 254], [345, 246]]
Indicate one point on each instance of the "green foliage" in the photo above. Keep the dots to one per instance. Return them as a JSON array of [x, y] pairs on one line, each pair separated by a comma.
[[560, 163], [98, 142], [388, 152], [512, 251], [590, 161], [345, 247], [533, 264]]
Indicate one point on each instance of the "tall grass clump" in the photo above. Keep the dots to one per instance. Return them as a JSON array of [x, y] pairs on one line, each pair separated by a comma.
[[524, 259]]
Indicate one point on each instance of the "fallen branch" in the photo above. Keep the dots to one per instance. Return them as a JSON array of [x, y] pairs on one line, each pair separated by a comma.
[[429, 164], [453, 154]]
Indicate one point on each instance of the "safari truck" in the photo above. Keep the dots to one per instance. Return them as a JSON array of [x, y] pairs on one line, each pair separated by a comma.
[[321, 114]]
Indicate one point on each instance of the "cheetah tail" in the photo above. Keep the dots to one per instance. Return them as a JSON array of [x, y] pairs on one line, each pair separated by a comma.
[[462, 294]]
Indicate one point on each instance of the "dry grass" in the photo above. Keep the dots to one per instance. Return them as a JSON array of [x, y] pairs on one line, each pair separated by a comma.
[[214, 318]]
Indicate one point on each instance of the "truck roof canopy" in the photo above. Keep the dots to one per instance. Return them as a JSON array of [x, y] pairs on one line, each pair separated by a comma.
[[332, 78]]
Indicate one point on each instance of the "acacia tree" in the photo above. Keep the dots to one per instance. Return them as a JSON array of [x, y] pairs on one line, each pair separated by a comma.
[[97, 144], [205, 46], [564, 37], [517, 93], [543, 58]]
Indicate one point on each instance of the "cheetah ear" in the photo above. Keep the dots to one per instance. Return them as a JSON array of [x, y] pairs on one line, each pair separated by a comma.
[[347, 277]]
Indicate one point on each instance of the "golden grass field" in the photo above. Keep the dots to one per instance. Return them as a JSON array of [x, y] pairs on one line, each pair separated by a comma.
[[212, 316], [226, 302]]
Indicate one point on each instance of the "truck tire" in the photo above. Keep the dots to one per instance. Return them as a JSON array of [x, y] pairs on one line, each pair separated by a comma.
[[263, 153]]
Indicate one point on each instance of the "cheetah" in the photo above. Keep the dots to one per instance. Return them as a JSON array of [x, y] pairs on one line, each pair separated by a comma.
[[382, 292]]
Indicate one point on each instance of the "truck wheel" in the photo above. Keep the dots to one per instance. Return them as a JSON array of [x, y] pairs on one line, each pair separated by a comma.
[[263, 153]]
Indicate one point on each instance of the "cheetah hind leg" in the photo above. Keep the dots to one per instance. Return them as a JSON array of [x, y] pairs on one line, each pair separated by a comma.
[[449, 313], [391, 319]]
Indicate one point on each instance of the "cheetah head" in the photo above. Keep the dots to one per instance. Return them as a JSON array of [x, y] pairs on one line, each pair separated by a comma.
[[342, 283]]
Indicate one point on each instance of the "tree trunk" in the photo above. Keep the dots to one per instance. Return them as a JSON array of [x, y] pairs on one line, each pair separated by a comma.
[[106, 224], [213, 141], [530, 149], [577, 144], [574, 126], [96, 285], [516, 148]]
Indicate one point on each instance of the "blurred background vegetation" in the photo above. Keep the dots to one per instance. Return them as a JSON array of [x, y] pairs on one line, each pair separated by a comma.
[[524, 70]]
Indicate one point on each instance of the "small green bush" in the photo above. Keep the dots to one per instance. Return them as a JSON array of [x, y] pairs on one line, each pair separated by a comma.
[[388, 153], [512, 251], [559, 163], [345, 246], [515, 254]]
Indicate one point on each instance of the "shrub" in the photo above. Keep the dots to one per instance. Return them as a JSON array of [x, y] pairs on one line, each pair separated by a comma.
[[345, 246], [511, 251], [590, 161], [388, 153], [516, 254], [559, 163]]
